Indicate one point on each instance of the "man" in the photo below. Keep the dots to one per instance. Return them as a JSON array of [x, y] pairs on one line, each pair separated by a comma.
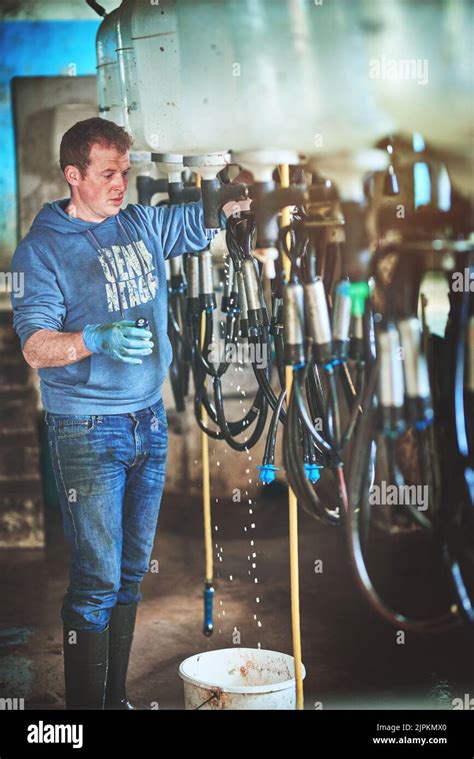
[[90, 271]]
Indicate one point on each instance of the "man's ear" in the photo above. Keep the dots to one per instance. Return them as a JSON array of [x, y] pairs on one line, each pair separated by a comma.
[[72, 175]]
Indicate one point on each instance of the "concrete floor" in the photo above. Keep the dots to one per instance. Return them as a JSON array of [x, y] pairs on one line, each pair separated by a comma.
[[352, 657]]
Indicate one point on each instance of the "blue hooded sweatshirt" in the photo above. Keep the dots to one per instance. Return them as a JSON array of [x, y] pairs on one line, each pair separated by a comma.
[[77, 272]]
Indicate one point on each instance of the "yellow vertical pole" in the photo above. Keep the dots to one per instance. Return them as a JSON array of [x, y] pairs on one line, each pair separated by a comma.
[[206, 494], [206, 479], [293, 503]]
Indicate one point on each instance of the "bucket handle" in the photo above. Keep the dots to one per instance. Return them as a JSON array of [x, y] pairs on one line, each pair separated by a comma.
[[214, 695]]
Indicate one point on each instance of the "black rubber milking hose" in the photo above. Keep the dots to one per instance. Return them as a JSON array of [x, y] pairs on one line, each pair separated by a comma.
[[356, 406], [297, 393], [357, 492], [269, 455], [235, 427], [280, 357], [97, 8], [295, 471], [396, 476], [259, 427], [267, 389], [335, 411]]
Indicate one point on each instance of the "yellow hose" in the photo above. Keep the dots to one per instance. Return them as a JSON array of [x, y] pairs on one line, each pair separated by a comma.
[[292, 502]]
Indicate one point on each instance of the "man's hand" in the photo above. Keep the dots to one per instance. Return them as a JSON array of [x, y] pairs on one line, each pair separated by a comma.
[[121, 341]]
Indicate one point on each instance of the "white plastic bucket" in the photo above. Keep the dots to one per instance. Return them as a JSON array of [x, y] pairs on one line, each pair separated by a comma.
[[239, 678]]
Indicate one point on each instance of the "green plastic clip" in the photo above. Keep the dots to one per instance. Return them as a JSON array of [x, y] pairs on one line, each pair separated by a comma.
[[359, 292]]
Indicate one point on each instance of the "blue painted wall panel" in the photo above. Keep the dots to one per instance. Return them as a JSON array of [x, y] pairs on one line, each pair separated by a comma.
[[34, 48]]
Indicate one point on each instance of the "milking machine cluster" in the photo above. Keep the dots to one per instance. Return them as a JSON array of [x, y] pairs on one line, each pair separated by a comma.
[[324, 268], [362, 362]]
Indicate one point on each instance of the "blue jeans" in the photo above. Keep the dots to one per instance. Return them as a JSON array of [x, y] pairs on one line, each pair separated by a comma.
[[110, 473]]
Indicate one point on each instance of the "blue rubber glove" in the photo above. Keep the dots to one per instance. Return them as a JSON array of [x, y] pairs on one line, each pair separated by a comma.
[[121, 341]]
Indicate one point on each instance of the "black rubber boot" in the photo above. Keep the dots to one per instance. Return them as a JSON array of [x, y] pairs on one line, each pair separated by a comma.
[[85, 667], [122, 625]]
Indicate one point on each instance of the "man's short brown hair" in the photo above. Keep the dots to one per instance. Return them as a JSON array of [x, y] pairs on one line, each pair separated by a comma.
[[77, 142]]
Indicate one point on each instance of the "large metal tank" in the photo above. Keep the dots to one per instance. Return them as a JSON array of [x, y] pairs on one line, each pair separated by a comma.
[[128, 79], [108, 80], [253, 75], [160, 103], [323, 79]]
